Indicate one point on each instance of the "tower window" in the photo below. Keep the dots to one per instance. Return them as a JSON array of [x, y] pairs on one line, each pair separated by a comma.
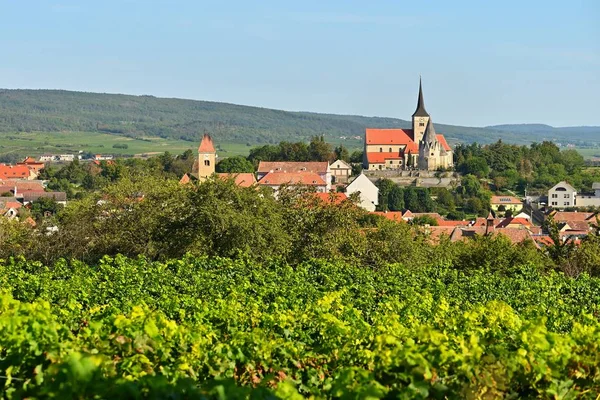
[[207, 163], [421, 123]]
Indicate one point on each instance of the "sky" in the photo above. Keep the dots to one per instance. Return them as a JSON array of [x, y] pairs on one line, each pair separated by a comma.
[[482, 62]]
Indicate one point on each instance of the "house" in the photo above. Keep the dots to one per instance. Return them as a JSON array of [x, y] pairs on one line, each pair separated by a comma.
[[19, 186], [563, 195], [9, 207], [368, 192], [340, 171], [505, 203], [32, 164], [47, 158], [30, 196], [322, 169], [417, 148], [103, 157], [16, 172], [515, 223], [65, 157], [275, 180], [242, 179]]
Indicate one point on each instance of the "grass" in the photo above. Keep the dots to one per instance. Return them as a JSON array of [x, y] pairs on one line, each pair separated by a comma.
[[589, 153], [37, 143]]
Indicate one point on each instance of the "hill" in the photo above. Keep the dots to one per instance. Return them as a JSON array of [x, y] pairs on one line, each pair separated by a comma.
[[169, 118], [574, 133]]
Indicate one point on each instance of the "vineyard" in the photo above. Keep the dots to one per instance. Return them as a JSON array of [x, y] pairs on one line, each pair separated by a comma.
[[202, 327]]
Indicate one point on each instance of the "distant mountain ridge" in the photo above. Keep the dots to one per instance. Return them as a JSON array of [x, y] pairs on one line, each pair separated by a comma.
[[138, 116]]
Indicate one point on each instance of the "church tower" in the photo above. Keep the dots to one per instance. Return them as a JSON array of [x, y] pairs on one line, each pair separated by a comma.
[[430, 149], [420, 118], [207, 157]]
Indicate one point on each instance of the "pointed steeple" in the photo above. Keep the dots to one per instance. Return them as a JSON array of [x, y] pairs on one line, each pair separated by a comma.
[[206, 145], [420, 111], [430, 135]]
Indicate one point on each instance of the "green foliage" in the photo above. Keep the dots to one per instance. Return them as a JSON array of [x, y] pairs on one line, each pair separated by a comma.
[[215, 328], [235, 165]]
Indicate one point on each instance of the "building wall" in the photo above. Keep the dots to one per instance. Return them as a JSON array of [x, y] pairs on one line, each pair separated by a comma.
[[368, 192], [587, 201], [385, 148], [560, 198], [512, 207], [206, 164], [419, 126]]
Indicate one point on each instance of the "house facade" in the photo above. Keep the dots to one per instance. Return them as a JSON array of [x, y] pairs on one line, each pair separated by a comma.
[[417, 148], [506, 203], [367, 191], [340, 171], [563, 195]]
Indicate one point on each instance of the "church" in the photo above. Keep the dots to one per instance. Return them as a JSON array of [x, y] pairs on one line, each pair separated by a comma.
[[417, 148]]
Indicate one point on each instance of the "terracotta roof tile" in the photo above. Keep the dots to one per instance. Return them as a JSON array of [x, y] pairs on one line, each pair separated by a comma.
[[389, 136], [245, 179], [564, 216], [292, 178], [206, 145], [316, 167], [443, 142], [380, 158], [391, 215], [331, 197], [505, 200]]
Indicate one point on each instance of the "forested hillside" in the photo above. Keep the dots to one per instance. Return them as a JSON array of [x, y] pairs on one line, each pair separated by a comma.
[[136, 116]]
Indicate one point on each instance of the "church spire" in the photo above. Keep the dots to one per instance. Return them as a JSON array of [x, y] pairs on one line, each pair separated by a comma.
[[420, 111], [430, 135]]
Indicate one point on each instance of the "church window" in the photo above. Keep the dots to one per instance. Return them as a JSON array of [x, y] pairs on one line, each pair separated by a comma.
[[207, 163], [381, 149], [432, 154], [421, 123], [390, 149]]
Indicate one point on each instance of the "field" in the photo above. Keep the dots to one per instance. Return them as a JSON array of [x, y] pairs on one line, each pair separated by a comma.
[[589, 153], [36, 143]]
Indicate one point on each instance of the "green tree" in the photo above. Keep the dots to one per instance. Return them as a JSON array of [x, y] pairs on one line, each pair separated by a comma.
[[341, 153], [235, 164], [320, 150]]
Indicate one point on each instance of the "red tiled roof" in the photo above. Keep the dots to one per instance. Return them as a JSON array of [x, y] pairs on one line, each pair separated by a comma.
[[391, 215], [513, 221], [388, 136], [316, 167], [564, 216], [292, 178], [206, 145], [12, 204], [184, 179], [513, 234], [245, 179], [379, 158], [17, 171], [411, 148], [23, 186], [442, 140], [578, 225], [332, 197], [505, 200], [446, 223]]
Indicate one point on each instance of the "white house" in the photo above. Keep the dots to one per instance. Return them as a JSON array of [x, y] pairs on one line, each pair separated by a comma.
[[562, 195], [369, 193], [340, 171]]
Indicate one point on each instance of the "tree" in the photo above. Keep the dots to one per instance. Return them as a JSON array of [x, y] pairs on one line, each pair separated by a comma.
[[396, 198], [235, 164], [319, 149], [385, 188], [356, 157], [411, 199], [44, 205], [341, 153]]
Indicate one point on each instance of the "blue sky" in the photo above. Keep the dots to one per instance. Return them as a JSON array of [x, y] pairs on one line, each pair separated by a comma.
[[482, 62]]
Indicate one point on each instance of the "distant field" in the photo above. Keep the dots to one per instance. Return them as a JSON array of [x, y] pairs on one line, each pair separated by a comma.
[[589, 153], [36, 143]]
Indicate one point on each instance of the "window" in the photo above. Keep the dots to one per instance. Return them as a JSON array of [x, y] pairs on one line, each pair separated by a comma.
[[567, 203], [390, 149], [555, 195], [207, 163], [567, 196], [380, 166], [561, 189], [381, 149], [421, 123], [554, 203]]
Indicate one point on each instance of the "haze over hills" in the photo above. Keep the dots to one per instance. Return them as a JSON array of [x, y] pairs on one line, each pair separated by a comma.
[[139, 116]]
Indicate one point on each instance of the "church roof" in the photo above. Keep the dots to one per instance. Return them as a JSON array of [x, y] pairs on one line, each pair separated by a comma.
[[420, 111], [206, 145], [388, 136], [430, 135], [379, 158], [443, 142]]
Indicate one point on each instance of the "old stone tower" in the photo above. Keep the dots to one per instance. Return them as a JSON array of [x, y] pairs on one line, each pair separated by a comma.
[[420, 118], [207, 157], [430, 149]]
